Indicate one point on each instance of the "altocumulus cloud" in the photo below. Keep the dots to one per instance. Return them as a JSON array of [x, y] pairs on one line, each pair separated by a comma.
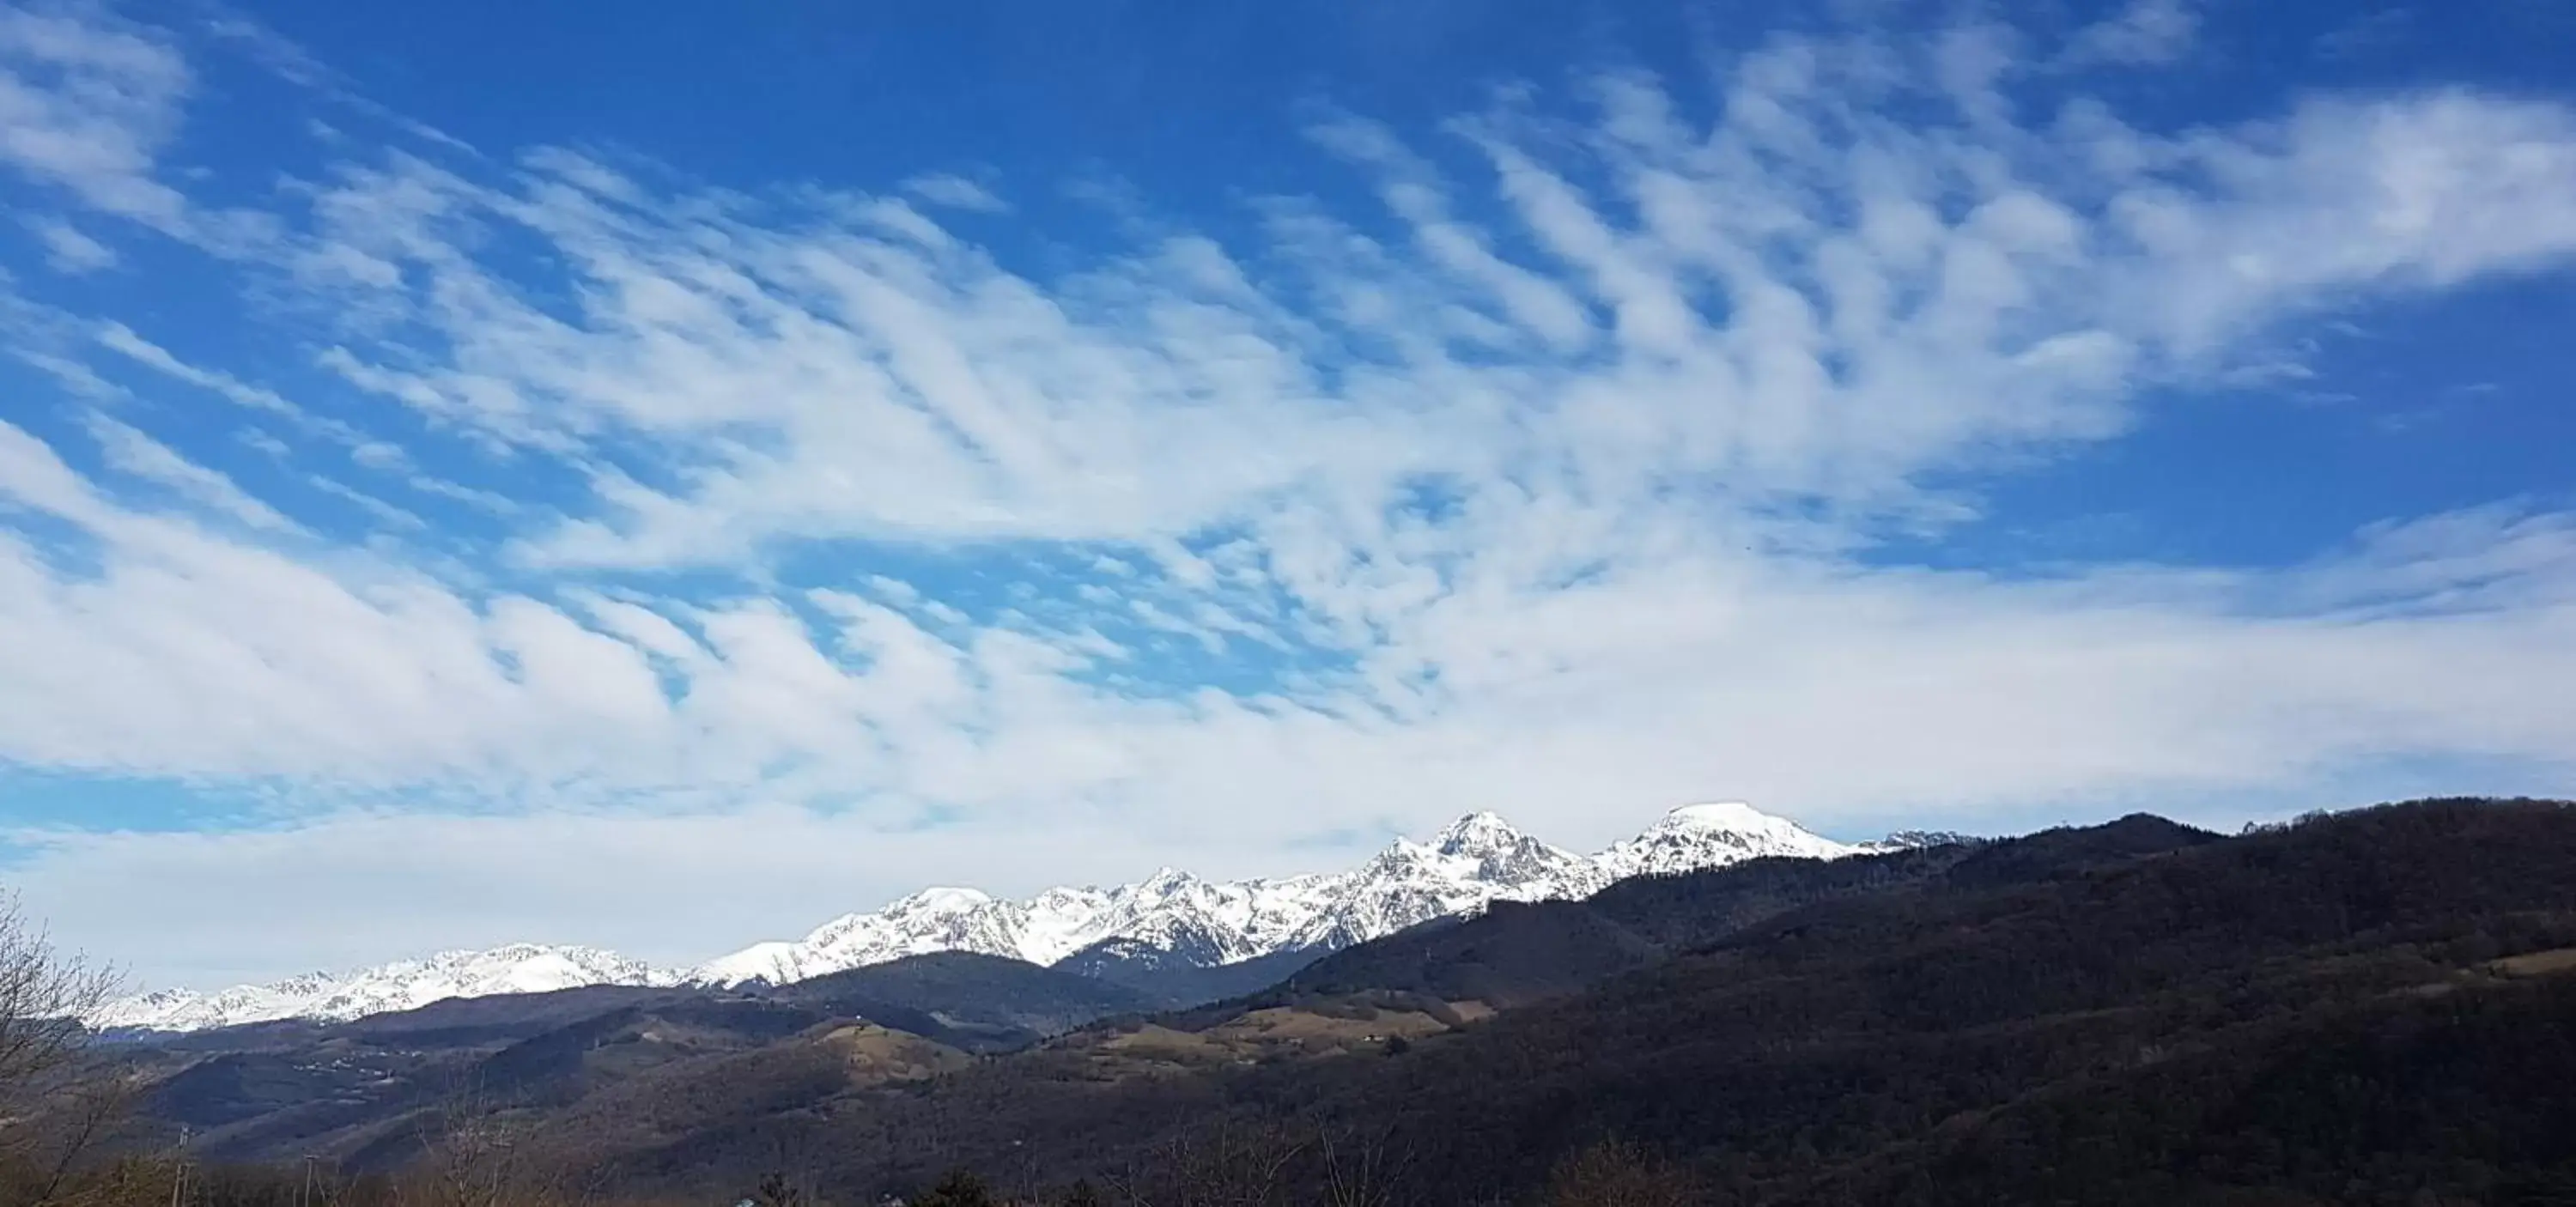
[[607, 532]]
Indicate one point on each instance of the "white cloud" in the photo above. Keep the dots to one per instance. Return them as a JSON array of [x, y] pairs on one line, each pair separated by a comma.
[[264, 443], [2145, 32], [386, 515], [87, 106], [1412, 190], [1556, 483], [2426, 191], [71, 252], [129, 451], [122, 340], [956, 192]]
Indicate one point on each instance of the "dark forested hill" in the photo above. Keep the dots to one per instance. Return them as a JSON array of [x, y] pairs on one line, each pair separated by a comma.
[[967, 996]]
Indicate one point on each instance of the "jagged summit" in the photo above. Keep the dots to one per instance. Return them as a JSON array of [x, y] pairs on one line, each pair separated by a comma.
[[1170, 917], [1475, 832], [1909, 840]]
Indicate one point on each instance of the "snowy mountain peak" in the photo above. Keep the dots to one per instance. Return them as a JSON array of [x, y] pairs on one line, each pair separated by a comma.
[[1478, 833], [1164, 883], [1722, 815], [1714, 834], [941, 900], [1404, 852], [1475, 861]]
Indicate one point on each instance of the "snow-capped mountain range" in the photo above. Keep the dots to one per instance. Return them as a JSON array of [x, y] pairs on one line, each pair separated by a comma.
[[1171, 917], [401, 985]]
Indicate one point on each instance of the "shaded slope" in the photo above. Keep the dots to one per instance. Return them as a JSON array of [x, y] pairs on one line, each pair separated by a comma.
[[965, 998], [1176, 984], [2453, 1097]]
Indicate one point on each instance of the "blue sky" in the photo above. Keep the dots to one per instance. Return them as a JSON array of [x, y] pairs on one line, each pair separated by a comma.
[[472, 474]]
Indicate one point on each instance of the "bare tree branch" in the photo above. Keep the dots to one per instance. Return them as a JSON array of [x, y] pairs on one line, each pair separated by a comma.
[[45, 996]]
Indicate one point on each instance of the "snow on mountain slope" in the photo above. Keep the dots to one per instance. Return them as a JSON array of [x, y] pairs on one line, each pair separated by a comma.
[[1171, 917], [1479, 859], [1170, 910], [1713, 835], [403, 985], [1915, 840], [934, 919]]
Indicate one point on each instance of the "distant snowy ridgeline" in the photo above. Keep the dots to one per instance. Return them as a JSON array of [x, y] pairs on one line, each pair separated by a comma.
[[1479, 858]]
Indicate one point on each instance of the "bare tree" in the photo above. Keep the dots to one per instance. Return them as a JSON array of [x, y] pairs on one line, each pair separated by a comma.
[[1224, 1162], [1615, 1173], [475, 1155], [793, 1169], [1236, 1161], [44, 998], [1361, 1169], [55, 1102]]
